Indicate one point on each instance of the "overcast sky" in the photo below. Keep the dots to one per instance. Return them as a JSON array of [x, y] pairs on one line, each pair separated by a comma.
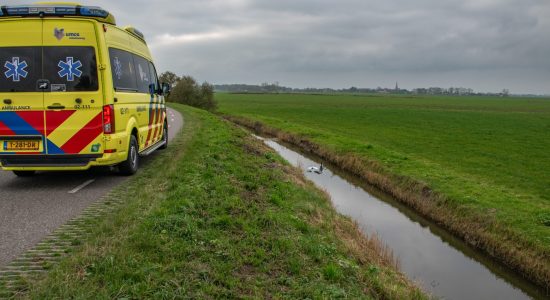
[[487, 45]]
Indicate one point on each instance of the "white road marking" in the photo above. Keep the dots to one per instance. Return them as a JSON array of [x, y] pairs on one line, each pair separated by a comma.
[[78, 188]]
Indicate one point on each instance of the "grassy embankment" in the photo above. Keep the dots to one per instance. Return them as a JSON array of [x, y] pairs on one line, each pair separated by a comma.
[[222, 216], [479, 166]]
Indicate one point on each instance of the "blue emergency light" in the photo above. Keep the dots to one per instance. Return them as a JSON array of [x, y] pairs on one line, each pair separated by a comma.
[[43, 10]]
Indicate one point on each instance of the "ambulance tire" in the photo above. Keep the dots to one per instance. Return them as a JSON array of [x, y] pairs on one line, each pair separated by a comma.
[[24, 173], [131, 164], [164, 136]]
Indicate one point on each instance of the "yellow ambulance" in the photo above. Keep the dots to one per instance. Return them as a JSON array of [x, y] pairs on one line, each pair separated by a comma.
[[76, 91]]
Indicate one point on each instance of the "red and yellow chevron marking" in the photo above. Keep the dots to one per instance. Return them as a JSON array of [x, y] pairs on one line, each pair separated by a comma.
[[73, 132], [154, 126], [160, 123], [56, 118], [148, 140], [157, 120]]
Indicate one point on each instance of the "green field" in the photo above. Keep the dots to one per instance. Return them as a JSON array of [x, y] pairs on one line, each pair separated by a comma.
[[489, 157], [219, 215]]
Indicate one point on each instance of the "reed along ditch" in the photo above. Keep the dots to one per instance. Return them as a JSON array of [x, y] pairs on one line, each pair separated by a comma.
[[440, 263]]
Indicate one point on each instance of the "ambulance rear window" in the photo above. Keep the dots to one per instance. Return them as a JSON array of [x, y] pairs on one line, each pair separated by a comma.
[[122, 68], [143, 76], [21, 68], [67, 68], [71, 68]]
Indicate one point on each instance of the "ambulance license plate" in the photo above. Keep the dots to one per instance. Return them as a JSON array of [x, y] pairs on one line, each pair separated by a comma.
[[22, 145]]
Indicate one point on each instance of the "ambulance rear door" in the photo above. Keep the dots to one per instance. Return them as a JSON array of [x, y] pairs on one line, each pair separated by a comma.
[[21, 100], [74, 98]]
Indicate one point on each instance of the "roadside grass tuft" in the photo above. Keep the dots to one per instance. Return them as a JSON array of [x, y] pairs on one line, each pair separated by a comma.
[[223, 217], [544, 218]]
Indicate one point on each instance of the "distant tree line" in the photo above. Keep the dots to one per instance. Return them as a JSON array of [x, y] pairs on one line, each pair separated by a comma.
[[250, 88], [186, 90], [276, 88]]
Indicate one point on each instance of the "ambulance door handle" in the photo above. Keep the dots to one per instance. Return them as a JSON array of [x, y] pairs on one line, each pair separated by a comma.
[[56, 106], [7, 101]]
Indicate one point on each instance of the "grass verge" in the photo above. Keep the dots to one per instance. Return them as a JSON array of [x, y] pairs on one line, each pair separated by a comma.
[[222, 216]]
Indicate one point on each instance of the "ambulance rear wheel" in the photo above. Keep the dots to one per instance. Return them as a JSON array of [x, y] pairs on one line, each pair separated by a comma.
[[164, 136], [131, 164], [24, 173]]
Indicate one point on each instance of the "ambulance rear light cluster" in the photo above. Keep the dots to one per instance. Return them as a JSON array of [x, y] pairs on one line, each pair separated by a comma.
[[108, 119], [57, 11]]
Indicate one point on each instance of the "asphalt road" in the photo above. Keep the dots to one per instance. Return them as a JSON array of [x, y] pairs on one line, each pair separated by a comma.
[[31, 208]]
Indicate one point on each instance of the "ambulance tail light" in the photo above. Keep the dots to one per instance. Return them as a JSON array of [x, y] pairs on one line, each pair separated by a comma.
[[108, 119]]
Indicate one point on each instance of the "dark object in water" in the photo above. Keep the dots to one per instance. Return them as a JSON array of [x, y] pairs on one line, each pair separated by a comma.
[[318, 170]]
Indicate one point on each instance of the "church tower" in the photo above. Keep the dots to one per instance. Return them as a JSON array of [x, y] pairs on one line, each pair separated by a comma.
[[396, 86]]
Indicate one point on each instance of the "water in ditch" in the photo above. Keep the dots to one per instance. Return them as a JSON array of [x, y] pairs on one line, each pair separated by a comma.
[[443, 265]]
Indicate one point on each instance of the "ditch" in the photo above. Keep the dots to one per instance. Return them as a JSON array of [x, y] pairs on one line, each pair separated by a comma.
[[440, 263]]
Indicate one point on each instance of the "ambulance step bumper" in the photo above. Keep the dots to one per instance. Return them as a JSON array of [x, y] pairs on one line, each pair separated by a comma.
[[47, 160], [152, 148]]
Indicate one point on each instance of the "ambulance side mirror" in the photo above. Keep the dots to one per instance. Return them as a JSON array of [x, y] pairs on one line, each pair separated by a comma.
[[152, 89], [165, 89]]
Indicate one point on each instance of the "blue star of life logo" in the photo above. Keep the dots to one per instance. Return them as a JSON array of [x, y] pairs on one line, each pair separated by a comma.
[[69, 68], [16, 69], [118, 68]]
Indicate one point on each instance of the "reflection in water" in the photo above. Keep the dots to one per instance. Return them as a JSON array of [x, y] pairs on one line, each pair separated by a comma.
[[442, 264]]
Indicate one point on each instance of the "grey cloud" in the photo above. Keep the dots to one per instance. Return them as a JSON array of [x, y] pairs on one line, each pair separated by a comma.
[[483, 44]]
